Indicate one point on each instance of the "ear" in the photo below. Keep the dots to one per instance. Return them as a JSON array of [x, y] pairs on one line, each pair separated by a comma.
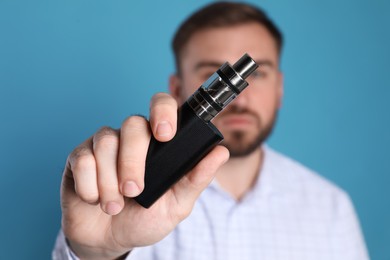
[[175, 88], [280, 89]]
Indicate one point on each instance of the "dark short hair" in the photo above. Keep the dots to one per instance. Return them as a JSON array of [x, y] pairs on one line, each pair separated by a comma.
[[221, 14]]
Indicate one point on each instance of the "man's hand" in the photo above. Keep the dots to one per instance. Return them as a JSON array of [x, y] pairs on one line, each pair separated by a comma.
[[99, 218]]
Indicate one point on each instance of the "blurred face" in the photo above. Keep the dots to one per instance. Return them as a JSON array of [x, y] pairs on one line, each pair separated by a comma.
[[248, 120]]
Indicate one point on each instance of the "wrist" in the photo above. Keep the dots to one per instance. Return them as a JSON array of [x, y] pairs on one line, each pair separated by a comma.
[[88, 252]]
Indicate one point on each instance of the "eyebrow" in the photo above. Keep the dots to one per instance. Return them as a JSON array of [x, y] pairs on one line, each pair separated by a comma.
[[206, 64], [215, 64], [266, 63]]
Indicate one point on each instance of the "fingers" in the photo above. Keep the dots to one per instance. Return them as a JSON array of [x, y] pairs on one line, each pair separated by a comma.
[[93, 168], [111, 165], [188, 189], [163, 116], [134, 143], [105, 149], [81, 166]]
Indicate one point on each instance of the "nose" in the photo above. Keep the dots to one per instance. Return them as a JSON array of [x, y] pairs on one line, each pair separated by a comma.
[[242, 99]]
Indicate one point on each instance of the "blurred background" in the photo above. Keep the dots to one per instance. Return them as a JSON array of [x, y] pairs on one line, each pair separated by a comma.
[[69, 67]]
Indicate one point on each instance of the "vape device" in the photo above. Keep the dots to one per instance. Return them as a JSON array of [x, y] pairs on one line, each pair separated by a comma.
[[167, 162]]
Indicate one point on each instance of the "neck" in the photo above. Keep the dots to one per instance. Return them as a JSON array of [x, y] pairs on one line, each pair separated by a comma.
[[239, 174]]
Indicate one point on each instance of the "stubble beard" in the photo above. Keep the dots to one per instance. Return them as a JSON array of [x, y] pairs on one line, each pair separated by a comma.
[[238, 143]]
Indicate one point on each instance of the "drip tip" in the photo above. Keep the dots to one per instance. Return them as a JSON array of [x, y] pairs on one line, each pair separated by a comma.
[[245, 66]]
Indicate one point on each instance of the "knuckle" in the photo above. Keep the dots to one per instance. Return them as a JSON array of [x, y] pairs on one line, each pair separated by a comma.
[[195, 183], [78, 152], [203, 168], [183, 213], [106, 138], [106, 142], [108, 192], [163, 99], [134, 123], [104, 131], [162, 108], [180, 213], [129, 166], [88, 196], [83, 163], [160, 95]]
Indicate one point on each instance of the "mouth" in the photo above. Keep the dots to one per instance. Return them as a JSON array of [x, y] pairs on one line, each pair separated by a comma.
[[236, 122]]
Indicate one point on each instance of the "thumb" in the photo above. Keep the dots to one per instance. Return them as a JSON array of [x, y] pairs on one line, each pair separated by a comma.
[[188, 189]]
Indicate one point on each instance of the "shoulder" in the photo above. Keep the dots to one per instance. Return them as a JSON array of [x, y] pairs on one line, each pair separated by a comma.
[[320, 204]]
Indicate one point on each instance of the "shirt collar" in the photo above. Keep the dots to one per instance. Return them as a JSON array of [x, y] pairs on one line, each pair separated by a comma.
[[264, 184]]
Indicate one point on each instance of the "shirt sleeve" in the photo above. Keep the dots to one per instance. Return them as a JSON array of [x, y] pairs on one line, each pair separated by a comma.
[[61, 249], [347, 237]]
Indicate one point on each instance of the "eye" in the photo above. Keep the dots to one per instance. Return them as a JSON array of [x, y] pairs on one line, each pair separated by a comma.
[[206, 75], [257, 74]]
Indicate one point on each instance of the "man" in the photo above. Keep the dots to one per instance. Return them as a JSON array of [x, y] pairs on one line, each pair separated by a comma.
[[261, 205]]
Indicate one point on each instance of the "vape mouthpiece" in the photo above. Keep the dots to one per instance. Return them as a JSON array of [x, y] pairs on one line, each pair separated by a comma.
[[245, 66], [221, 88]]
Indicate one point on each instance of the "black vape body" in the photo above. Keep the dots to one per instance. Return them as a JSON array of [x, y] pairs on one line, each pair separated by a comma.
[[167, 162], [196, 136]]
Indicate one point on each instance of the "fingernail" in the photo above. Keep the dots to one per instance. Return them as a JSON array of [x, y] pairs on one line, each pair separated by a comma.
[[130, 189], [164, 128], [112, 208]]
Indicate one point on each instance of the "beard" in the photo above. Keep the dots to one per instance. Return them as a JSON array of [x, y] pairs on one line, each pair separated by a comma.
[[240, 143]]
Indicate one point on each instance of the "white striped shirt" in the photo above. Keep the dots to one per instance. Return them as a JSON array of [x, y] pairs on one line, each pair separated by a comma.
[[291, 213]]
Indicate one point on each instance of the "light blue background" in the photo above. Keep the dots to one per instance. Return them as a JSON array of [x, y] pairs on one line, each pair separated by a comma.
[[69, 67]]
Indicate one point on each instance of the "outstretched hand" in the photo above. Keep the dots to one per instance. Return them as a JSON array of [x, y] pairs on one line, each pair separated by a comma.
[[102, 175]]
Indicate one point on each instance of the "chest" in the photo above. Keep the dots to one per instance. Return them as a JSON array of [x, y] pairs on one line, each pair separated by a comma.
[[276, 228]]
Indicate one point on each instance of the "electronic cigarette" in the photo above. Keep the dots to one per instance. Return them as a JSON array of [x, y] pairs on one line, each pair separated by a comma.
[[167, 162]]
